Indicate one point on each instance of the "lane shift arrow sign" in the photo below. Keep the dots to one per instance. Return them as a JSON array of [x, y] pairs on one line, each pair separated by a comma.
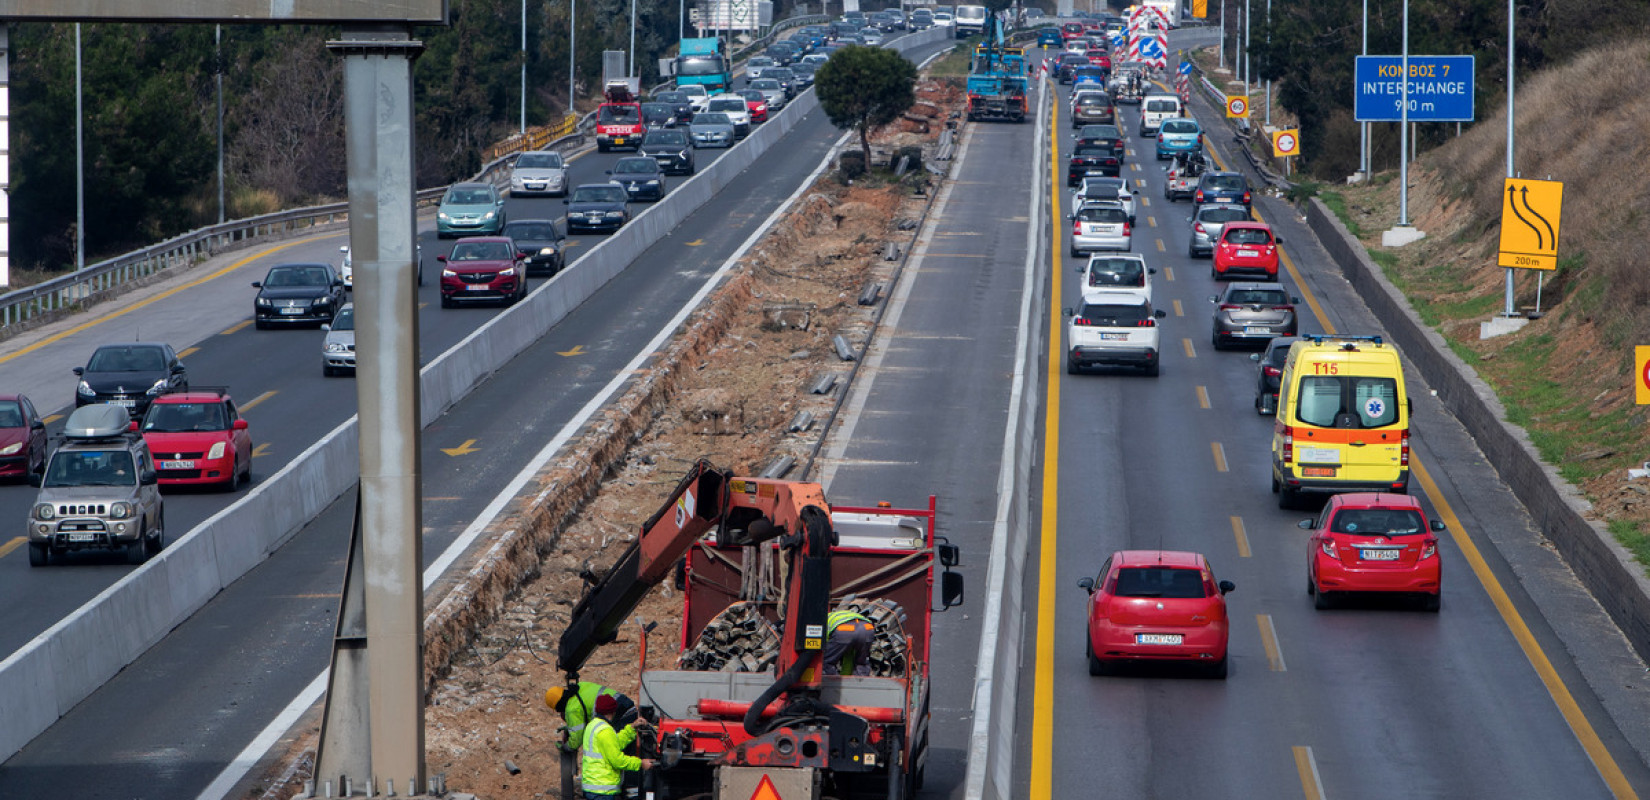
[[462, 450], [578, 350]]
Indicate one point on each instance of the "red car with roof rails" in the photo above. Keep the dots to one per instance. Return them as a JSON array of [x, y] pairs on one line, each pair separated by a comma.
[[1157, 605], [1376, 543], [198, 438]]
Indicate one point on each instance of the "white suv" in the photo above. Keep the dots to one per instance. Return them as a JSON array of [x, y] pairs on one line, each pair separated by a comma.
[[1100, 226], [1117, 271], [1113, 327]]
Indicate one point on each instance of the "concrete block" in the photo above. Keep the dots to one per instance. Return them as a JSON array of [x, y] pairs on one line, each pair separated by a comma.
[[1500, 326]]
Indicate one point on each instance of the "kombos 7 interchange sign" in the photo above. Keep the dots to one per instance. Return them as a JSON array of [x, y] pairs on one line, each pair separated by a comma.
[[1440, 89]]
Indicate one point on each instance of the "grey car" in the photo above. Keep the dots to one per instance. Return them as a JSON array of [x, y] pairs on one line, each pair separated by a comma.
[[671, 149], [757, 64], [338, 348], [1252, 312], [711, 130], [100, 491], [1207, 223], [772, 92], [538, 172]]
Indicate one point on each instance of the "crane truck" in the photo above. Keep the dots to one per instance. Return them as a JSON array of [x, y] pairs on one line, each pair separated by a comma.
[[749, 706], [997, 82]]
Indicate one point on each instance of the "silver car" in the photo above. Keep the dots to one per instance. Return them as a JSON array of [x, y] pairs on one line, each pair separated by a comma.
[[346, 267], [338, 348], [754, 67], [1115, 190], [539, 172], [1252, 313], [771, 91], [737, 109], [1207, 224], [711, 130], [1100, 226]]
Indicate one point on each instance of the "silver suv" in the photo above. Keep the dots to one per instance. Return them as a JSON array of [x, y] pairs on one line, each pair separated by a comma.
[[99, 491]]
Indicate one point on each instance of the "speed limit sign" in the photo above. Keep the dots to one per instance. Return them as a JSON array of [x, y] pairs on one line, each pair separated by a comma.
[[1286, 143], [1237, 107]]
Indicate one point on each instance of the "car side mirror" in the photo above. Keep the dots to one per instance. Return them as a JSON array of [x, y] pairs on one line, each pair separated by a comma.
[[1305, 524], [1227, 586], [177, 369], [442, 259], [1160, 313], [1437, 525], [80, 370], [241, 425], [607, 172], [1294, 299], [1214, 298], [1254, 356], [1067, 312], [1280, 240], [565, 201], [37, 424], [326, 326], [338, 284], [951, 589], [34, 479], [1086, 584], [148, 478], [257, 284], [1151, 270]]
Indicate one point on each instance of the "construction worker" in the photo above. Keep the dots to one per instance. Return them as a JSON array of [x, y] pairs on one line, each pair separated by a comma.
[[849, 632], [604, 762], [578, 707]]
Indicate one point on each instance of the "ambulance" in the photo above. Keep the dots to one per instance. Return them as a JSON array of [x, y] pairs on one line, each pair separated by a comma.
[[1343, 419]]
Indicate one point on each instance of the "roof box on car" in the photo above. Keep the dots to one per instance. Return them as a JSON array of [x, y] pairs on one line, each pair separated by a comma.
[[101, 421]]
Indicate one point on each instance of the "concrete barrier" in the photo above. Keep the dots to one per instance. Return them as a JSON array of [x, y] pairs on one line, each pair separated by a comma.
[[1599, 561], [67, 662]]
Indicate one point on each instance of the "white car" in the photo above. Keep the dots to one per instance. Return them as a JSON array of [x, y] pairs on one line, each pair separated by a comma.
[[697, 95], [1100, 226], [944, 19], [754, 67], [347, 271], [538, 172], [1113, 190], [1117, 271], [338, 348], [1113, 328], [737, 109]]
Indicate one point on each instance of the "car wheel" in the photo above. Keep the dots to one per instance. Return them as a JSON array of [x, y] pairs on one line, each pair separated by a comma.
[[1154, 369], [327, 371], [1432, 602], [1214, 341], [1220, 668], [234, 481], [1096, 666], [39, 555], [260, 324], [1287, 498], [1072, 368], [446, 302], [1322, 601], [157, 543], [138, 551], [1214, 274]]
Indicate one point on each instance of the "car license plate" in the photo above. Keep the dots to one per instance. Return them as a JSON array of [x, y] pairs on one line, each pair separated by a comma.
[[175, 464], [1114, 337], [1249, 253], [618, 140], [1095, 171], [1317, 472], [1256, 329], [1319, 455], [1157, 638], [1378, 555], [82, 537], [477, 287], [290, 311]]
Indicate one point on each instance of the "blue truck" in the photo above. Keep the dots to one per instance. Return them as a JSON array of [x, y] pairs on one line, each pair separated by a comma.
[[997, 80], [704, 62]]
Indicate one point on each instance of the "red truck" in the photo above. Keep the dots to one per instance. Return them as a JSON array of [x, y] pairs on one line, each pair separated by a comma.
[[619, 120]]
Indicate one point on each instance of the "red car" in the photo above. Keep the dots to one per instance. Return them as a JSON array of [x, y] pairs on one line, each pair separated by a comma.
[[198, 438], [757, 104], [1373, 542], [1098, 58], [22, 438], [1072, 30], [483, 268], [1157, 605], [1246, 247]]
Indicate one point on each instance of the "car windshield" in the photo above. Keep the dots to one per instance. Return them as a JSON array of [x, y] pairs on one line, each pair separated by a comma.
[[468, 197], [766, 83], [1223, 183], [1090, 150], [1223, 215], [1092, 99], [1378, 522], [1101, 132], [1159, 582], [345, 321], [481, 251], [701, 65], [1180, 126], [636, 166], [289, 277], [733, 104], [657, 110], [539, 161], [1116, 272], [759, 61], [753, 96], [1258, 297], [1111, 214], [126, 359], [1346, 401], [711, 119], [599, 194], [1248, 236], [671, 97], [531, 231], [666, 138], [1169, 106], [618, 114], [11, 414], [179, 417], [1107, 315], [90, 468], [781, 74]]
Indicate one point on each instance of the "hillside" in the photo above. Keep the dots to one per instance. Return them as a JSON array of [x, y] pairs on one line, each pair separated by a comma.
[[1567, 376]]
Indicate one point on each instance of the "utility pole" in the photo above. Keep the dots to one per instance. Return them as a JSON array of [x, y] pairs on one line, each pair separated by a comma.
[[217, 67], [79, 162], [572, 51], [1511, 49], [524, 67]]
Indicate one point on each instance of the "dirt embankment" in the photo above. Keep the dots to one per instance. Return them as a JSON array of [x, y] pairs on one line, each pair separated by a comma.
[[726, 390]]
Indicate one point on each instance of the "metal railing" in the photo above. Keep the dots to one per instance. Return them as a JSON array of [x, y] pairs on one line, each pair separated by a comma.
[[536, 138]]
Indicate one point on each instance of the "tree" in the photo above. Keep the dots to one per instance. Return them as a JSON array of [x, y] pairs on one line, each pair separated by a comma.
[[865, 88]]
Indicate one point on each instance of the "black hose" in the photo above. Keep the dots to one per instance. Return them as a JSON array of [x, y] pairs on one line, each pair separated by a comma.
[[753, 715]]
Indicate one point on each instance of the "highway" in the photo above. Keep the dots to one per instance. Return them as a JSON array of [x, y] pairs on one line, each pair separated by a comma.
[[1373, 700], [168, 724]]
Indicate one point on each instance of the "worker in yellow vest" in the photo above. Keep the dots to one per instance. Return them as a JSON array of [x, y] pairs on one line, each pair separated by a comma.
[[603, 763], [848, 643], [577, 705]]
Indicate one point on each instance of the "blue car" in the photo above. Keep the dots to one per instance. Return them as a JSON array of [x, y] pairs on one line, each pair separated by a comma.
[[1176, 136], [1049, 37]]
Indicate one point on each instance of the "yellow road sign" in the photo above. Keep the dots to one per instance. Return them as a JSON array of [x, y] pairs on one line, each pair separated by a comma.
[[1529, 223], [1200, 8], [1641, 375], [1237, 107], [1286, 143]]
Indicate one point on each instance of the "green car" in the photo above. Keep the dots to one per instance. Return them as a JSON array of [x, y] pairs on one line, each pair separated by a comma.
[[470, 209]]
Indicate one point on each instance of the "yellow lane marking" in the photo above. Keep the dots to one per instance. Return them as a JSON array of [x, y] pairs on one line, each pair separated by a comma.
[[1242, 537], [1134, 166], [16, 542], [253, 403], [424, 305], [1160, 247], [1220, 456], [1146, 201], [462, 450], [1567, 706], [1202, 397], [959, 255], [89, 324], [1269, 640], [261, 450], [237, 328], [443, 498], [1311, 782], [1177, 310], [1168, 275], [695, 243], [188, 351], [1151, 221], [50, 418], [1187, 344], [578, 350], [1042, 728]]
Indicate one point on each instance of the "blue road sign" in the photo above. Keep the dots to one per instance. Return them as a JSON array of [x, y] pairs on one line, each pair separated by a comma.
[[1185, 67], [1440, 89]]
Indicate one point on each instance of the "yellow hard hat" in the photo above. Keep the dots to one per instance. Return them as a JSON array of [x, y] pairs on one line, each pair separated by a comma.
[[552, 696]]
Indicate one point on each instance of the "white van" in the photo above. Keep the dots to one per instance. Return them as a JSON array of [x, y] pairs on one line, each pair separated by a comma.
[[1154, 109], [970, 20]]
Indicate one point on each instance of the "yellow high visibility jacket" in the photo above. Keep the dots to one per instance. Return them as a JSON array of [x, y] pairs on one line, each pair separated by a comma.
[[604, 757]]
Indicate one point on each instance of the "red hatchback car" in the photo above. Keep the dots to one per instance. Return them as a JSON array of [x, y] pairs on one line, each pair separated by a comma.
[[1157, 605], [483, 268], [22, 438], [1373, 542], [198, 438], [1246, 247]]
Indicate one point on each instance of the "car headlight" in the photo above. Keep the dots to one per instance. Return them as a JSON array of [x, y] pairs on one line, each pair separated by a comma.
[[11, 449], [615, 213], [654, 182], [85, 390], [321, 301], [160, 386], [45, 511], [336, 347], [507, 272], [263, 302], [489, 215], [120, 510], [216, 452], [547, 251], [447, 273], [442, 215], [683, 154]]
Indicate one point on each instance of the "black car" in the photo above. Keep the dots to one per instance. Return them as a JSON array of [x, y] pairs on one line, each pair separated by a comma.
[[1270, 379], [658, 115], [641, 177], [681, 105], [541, 241], [597, 207], [671, 149], [1068, 65], [1222, 187], [1108, 136], [787, 78], [130, 375], [298, 294], [1089, 160]]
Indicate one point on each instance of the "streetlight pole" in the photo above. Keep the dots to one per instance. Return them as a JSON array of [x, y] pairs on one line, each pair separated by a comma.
[[524, 67], [572, 51], [217, 66], [1403, 131], [1269, 51], [79, 162], [1511, 21], [1246, 74], [1363, 127], [1223, 34], [631, 73]]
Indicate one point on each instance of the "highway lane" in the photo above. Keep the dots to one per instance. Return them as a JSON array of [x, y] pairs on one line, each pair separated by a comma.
[[169, 723], [277, 369], [1375, 700]]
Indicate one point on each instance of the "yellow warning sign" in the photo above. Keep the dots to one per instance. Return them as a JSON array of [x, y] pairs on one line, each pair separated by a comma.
[[1641, 375], [1237, 107], [1529, 223], [765, 791], [1200, 9], [1286, 143]]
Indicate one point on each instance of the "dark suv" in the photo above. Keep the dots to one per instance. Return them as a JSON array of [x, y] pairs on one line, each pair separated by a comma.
[[1223, 187], [1269, 380]]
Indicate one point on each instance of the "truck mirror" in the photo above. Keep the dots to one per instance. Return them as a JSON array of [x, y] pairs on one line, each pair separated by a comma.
[[951, 589], [950, 556]]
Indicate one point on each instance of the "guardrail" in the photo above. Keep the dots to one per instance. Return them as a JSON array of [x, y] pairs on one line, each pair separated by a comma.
[[536, 138]]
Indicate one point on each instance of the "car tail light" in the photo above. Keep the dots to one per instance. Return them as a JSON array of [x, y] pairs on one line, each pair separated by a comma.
[[1230, 307], [1160, 137], [1429, 548], [1198, 227], [1081, 322], [1077, 228], [1288, 445], [1198, 198], [1329, 549], [1403, 449], [1272, 372], [1146, 323], [1246, 198], [1126, 229]]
